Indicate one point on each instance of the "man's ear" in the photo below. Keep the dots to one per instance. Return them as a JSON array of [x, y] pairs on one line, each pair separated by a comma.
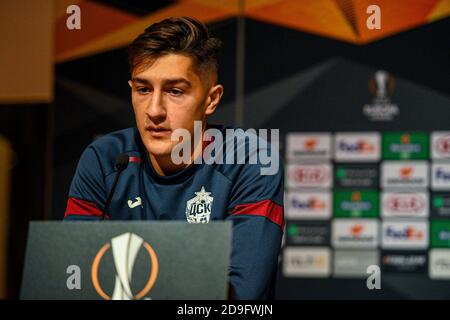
[[214, 96], [130, 83]]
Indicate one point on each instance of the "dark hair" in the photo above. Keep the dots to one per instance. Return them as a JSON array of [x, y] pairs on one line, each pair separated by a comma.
[[180, 35]]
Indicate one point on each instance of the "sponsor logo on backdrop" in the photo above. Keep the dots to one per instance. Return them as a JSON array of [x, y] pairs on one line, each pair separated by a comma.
[[404, 262], [308, 205], [308, 233], [308, 146], [306, 262], [381, 85], [404, 204], [440, 233], [440, 176], [125, 249], [404, 174], [356, 176], [404, 234], [356, 204], [354, 263], [440, 205], [356, 233], [440, 145], [309, 176], [439, 264], [405, 146], [357, 147]]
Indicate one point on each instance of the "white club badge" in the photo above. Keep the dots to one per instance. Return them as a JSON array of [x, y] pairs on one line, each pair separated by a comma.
[[198, 209]]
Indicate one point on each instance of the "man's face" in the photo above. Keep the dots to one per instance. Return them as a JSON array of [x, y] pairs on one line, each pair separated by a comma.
[[168, 95]]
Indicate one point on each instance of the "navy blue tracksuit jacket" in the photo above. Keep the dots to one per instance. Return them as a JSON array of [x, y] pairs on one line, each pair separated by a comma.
[[198, 193]]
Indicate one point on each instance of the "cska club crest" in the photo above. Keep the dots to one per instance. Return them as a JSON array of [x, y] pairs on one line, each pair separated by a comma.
[[198, 209]]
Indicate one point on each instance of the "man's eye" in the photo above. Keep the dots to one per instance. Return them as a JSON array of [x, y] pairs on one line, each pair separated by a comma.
[[143, 90], [176, 92]]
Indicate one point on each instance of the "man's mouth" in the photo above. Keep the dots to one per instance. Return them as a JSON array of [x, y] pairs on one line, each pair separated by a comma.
[[159, 132]]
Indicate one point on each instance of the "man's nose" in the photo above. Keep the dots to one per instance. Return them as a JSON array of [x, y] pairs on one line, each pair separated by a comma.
[[156, 110]]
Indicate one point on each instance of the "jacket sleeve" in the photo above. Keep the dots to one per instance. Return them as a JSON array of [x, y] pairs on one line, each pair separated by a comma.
[[87, 191], [256, 210]]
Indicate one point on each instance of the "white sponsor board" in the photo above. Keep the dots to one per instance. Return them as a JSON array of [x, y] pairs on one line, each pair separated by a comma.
[[440, 145], [354, 263], [404, 174], [303, 146], [355, 233], [306, 262], [405, 234], [357, 147], [440, 176], [405, 204], [309, 175], [308, 205], [439, 264]]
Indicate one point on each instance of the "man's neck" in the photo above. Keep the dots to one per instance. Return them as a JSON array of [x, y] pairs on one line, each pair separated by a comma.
[[164, 166]]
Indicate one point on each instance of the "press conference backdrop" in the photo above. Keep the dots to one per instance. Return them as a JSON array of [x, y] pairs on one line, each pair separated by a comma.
[[363, 116], [373, 190]]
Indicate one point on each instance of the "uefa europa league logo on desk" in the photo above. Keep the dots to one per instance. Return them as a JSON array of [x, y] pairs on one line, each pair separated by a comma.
[[125, 249]]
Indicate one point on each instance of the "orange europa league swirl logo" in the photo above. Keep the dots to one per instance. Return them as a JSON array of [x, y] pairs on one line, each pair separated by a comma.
[[125, 248]]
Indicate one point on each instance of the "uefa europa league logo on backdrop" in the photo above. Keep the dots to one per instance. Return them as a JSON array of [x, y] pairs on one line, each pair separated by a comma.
[[382, 85], [125, 249]]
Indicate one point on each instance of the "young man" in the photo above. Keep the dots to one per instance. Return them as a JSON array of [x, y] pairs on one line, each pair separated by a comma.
[[174, 85]]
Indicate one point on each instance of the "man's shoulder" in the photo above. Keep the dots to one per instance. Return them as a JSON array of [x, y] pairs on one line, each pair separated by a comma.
[[125, 140], [106, 148]]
